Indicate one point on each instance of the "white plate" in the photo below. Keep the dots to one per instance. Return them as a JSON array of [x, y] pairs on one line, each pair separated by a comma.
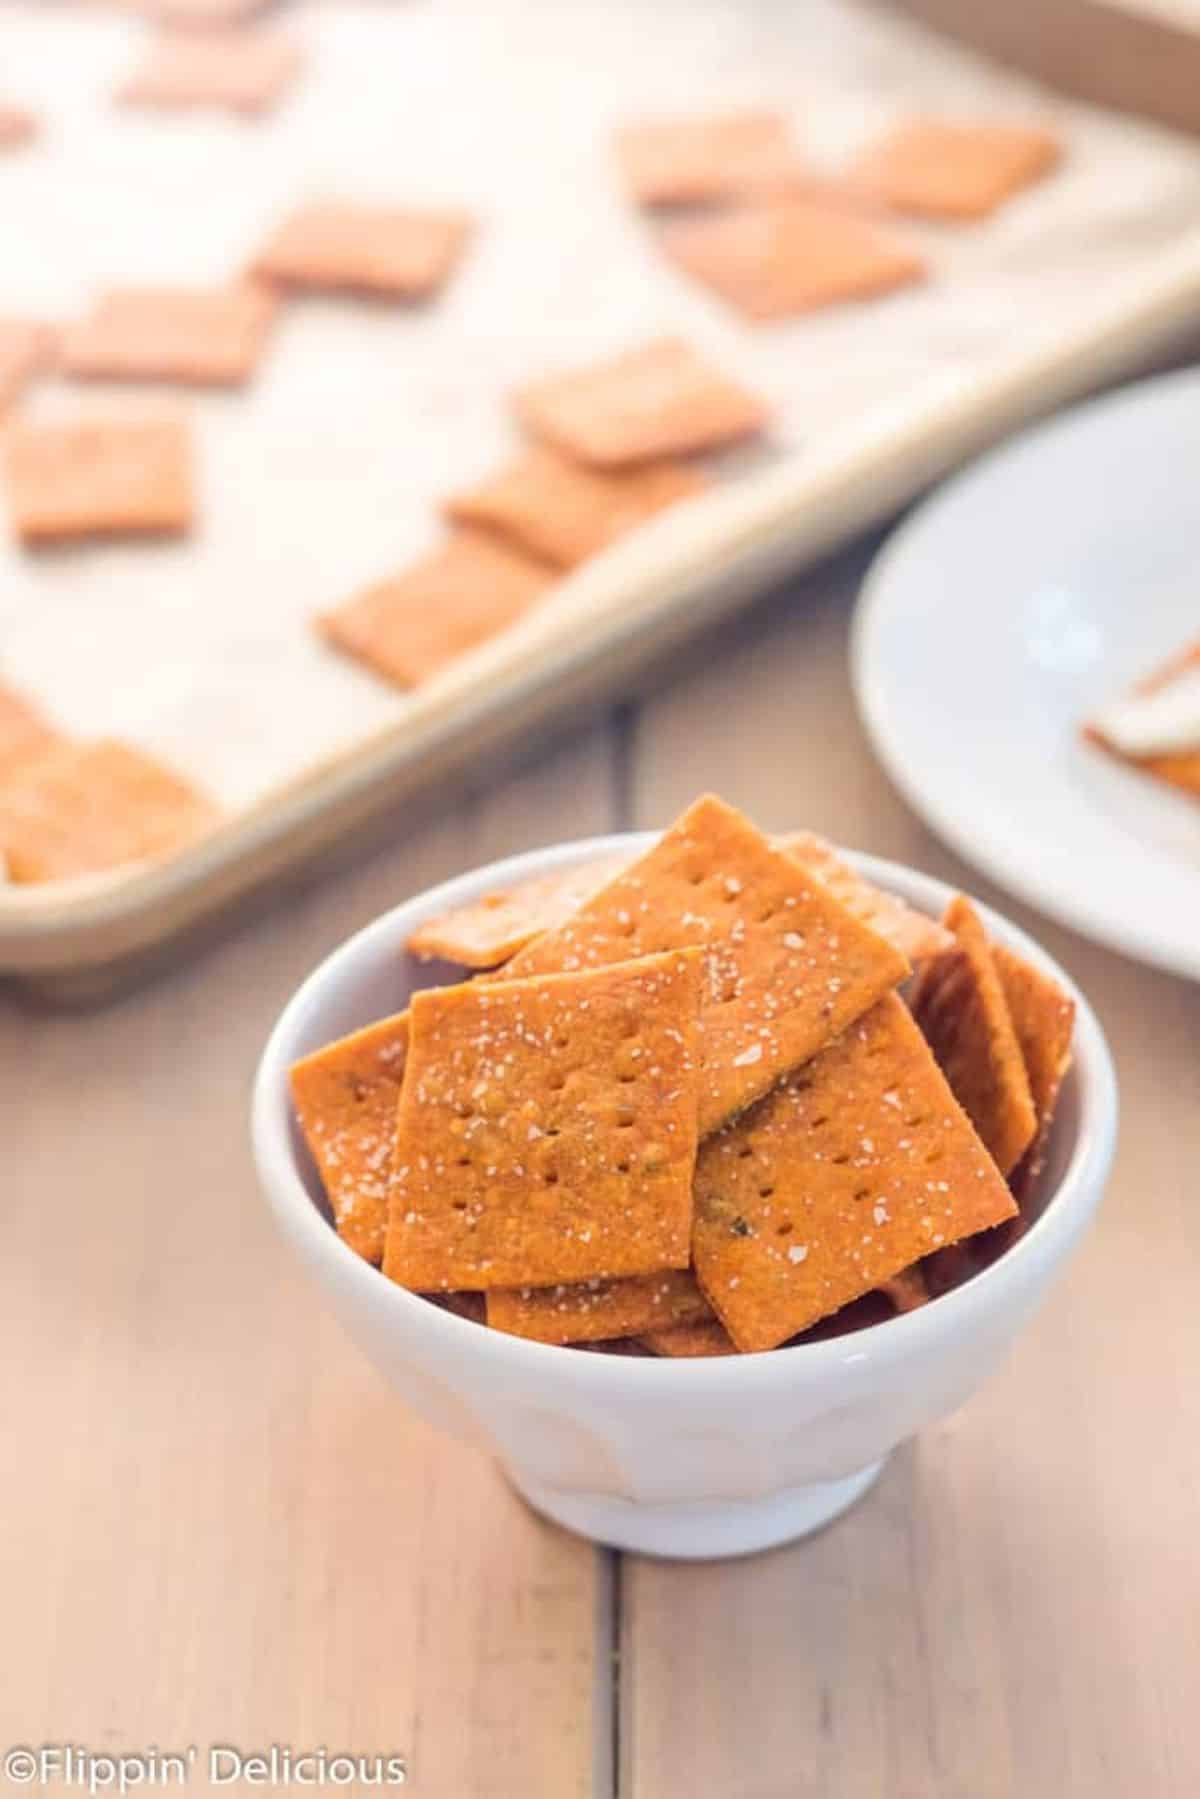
[[1027, 591]]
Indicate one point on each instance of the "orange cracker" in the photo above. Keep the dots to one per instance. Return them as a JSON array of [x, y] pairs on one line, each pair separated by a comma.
[[670, 162], [936, 169], [242, 70], [16, 127], [24, 733], [85, 807], [193, 13], [661, 400], [409, 628], [706, 1337], [1178, 768], [26, 349], [564, 513], [547, 1129], [1043, 1018], [847, 1173], [913, 934], [346, 1097], [489, 931], [787, 967], [208, 336], [407, 252], [99, 477], [592, 1311], [772, 260], [960, 1006]]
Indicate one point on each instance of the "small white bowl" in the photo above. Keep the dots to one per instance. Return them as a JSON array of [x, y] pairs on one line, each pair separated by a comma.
[[693, 1458]]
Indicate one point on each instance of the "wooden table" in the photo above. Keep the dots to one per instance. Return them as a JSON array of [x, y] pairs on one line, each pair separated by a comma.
[[218, 1527]]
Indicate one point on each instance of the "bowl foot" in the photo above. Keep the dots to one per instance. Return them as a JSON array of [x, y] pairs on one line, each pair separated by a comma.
[[700, 1532]]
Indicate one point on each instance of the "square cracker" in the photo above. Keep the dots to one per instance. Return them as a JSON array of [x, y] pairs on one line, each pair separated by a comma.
[[707, 1336], [489, 931], [848, 1172], [411, 627], [203, 335], [86, 807], [346, 1097], [913, 934], [26, 348], [24, 733], [786, 966], [595, 1311], [789, 256], [670, 162], [99, 477], [244, 70], [334, 245], [547, 1129], [660, 400], [938, 169], [557, 510], [1043, 1018], [960, 1006]]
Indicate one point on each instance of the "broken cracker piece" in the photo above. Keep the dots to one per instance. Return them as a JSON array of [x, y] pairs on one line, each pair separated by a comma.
[[707, 1337], [848, 1172], [411, 627], [938, 169], [207, 336], [671, 162], [1043, 1017], [563, 513], [26, 349], [547, 1129], [99, 478], [488, 931], [960, 1006], [334, 245], [661, 400], [906, 1290], [913, 934], [24, 733], [773, 260], [347, 1096], [242, 70], [83, 808], [786, 966], [592, 1311]]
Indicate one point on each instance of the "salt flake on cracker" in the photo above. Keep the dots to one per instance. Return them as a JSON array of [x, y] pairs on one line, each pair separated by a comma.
[[660, 400], [847, 1173], [488, 931], [668, 162], [598, 1310], [913, 934], [547, 1129], [406, 252], [409, 628], [99, 477], [346, 1097], [939, 169], [206, 336], [776, 259], [557, 510], [960, 1006], [786, 965]]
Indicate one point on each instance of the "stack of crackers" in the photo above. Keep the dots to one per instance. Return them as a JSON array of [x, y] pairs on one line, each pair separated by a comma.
[[683, 1108]]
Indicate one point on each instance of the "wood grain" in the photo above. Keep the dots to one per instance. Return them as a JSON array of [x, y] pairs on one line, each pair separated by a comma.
[[218, 1525], [1014, 1612]]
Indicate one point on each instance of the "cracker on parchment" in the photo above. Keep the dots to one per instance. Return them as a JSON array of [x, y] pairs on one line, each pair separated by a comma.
[[26, 349], [942, 169], [239, 70], [17, 126], [547, 1129], [205, 336], [848, 1172], [660, 400], [671, 162], [960, 1006], [347, 1096], [410, 627], [405, 252], [99, 478]]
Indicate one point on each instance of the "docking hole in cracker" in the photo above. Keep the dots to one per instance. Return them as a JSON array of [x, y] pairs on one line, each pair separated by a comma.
[[690, 1115]]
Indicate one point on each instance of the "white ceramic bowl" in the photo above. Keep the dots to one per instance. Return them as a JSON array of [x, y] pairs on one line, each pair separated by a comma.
[[695, 1458]]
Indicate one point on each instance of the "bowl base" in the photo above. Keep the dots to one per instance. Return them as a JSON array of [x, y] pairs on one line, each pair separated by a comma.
[[700, 1532]]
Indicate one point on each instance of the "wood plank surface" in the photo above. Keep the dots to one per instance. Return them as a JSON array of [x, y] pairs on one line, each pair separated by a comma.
[[1014, 1611], [218, 1526]]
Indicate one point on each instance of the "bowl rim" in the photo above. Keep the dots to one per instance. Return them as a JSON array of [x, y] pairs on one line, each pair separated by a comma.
[[1064, 1214]]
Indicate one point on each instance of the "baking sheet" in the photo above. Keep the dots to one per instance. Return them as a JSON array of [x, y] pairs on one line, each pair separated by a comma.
[[325, 473]]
